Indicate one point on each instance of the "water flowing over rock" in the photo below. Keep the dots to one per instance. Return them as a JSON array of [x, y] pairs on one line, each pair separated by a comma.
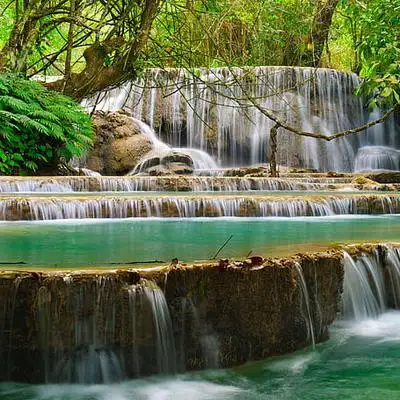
[[93, 329], [49, 208], [167, 184], [106, 326], [306, 299], [118, 145], [210, 110], [371, 283], [377, 158], [166, 156]]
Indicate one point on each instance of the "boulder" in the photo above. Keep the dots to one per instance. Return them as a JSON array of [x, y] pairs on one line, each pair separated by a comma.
[[158, 170], [363, 183], [176, 157], [255, 171], [385, 177], [180, 168], [170, 162], [118, 144]]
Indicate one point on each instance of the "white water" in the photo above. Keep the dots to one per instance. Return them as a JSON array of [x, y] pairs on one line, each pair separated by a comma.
[[149, 183], [364, 289], [366, 283], [306, 299], [393, 261], [201, 160], [188, 207], [211, 112], [165, 345], [377, 158], [86, 352]]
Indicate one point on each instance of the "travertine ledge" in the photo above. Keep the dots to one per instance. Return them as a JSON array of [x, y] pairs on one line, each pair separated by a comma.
[[251, 311]]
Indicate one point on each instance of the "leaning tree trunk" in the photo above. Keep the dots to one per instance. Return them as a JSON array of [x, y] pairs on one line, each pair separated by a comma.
[[97, 76], [319, 35]]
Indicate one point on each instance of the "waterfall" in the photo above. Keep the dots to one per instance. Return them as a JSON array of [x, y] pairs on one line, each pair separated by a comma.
[[162, 183], [201, 160], [205, 335], [377, 158], [210, 110], [393, 268], [364, 293], [50, 208], [306, 299], [102, 345], [80, 352], [165, 353], [165, 345]]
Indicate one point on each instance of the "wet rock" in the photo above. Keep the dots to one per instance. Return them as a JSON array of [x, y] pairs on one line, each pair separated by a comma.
[[176, 157], [256, 260], [385, 177], [150, 162], [158, 170], [258, 171], [118, 144], [333, 174], [169, 163], [363, 183], [180, 169], [223, 263]]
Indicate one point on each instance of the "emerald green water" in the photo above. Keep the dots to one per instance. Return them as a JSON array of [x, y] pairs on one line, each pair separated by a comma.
[[360, 361], [101, 242]]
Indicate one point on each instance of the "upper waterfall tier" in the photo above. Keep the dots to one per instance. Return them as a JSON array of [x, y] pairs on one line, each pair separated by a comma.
[[168, 184], [220, 112]]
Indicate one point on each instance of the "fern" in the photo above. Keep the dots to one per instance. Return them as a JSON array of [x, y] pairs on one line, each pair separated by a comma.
[[38, 126]]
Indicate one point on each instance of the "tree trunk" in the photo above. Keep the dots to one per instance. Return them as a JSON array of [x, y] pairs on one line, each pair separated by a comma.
[[97, 76], [273, 146], [19, 47], [321, 25]]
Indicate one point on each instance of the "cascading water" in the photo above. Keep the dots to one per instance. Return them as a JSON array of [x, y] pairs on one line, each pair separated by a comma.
[[377, 158], [364, 289], [197, 206], [306, 298], [163, 183], [201, 160], [211, 111], [371, 283], [194, 321], [80, 353], [165, 345], [86, 351], [393, 263]]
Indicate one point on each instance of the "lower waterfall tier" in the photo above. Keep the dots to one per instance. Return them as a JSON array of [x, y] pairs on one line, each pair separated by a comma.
[[79, 207], [92, 327]]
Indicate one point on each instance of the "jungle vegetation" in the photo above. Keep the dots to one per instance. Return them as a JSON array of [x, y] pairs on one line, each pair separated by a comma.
[[92, 45]]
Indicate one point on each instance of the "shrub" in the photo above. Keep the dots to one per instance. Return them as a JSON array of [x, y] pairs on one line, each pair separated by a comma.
[[38, 127]]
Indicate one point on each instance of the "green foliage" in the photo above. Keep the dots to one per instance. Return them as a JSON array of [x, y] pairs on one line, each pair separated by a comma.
[[375, 26], [215, 33], [38, 127]]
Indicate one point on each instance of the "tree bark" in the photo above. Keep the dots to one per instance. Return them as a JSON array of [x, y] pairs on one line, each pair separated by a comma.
[[97, 76], [273, 146], [321, 25]]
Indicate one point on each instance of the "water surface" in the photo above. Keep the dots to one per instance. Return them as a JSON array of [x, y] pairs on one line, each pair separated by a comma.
[[77, 243], [360, 361]]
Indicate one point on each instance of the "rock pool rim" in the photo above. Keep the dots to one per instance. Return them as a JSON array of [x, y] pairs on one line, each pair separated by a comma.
[[229, 302]]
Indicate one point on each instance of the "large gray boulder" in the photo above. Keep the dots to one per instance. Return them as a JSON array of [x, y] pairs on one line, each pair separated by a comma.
[[118, 144]]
